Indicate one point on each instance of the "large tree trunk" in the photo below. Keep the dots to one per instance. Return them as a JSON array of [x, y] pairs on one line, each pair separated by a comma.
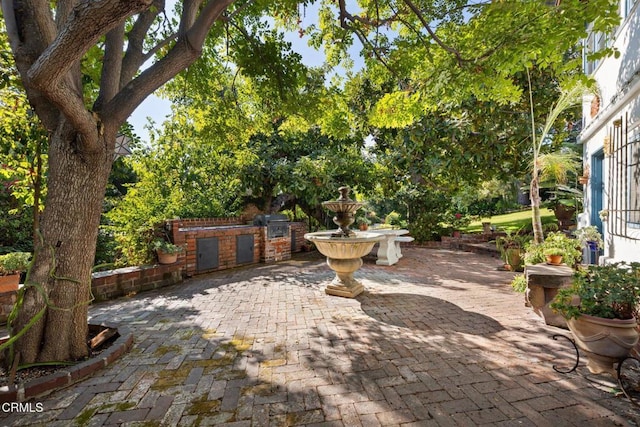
[[50, 41], [60, 279]]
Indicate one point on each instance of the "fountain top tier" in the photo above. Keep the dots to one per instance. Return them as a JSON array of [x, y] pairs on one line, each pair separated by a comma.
[[344, 208], [343, 203]]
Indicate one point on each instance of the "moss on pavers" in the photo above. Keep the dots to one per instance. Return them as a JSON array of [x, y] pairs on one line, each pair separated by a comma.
[[164, 349], [85, 416], [171, 378], [203, 405], [304, 417]]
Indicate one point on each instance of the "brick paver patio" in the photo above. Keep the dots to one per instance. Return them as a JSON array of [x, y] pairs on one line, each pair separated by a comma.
[[438, 339]]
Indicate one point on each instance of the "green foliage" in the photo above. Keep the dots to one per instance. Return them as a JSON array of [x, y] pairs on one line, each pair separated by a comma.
[[393, 218], [512, 239], [557, 166], [609, 291], [426, 226], [519, 283], [553, 251], [569, 248], [459, 220], [23, 159], [14, 262], [15, 224]]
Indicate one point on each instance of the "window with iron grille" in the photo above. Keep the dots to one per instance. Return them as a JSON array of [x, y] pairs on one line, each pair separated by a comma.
[[624, 180]]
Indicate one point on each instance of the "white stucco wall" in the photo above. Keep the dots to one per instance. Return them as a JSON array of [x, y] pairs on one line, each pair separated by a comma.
[[618, 82]]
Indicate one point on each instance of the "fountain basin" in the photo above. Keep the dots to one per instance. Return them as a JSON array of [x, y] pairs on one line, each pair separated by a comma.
[[355, 246], [344, 256]]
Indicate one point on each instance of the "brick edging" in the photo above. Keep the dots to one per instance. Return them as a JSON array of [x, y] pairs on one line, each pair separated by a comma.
[[44, 385]]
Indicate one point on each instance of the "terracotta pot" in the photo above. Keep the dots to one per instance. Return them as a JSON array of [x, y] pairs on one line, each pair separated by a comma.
[[363, 227], [9, 283], [605, 341], [514, 258], [456, 233], [165, 258], [554, 259]]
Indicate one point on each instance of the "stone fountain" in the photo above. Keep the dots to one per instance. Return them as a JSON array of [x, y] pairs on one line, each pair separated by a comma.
[[344, 248]]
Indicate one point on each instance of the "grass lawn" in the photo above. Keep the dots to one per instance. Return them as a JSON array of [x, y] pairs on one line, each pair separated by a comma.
[[512, 221]]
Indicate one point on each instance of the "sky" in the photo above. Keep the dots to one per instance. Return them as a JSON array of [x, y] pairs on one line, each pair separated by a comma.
[[158, 109]]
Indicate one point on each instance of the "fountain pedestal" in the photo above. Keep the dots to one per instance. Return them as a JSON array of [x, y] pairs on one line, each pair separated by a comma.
[[344, 284], [344, 256]]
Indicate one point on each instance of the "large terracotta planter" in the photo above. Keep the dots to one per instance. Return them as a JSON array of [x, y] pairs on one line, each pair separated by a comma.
[[9, 283], [605, 341]]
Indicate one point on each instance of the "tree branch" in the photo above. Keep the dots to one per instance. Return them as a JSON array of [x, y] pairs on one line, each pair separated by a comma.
[[83, 28], [134, 56], [27, 45], [53, 71], [199, 30], [111, 66], [346, 17], [432, 33], [187, 49]]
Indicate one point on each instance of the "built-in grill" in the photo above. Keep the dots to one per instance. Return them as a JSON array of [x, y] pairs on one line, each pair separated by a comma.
[[277, 224]]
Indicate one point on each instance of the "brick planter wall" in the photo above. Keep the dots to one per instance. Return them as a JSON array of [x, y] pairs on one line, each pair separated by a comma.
[[107, 285], [112, 284]]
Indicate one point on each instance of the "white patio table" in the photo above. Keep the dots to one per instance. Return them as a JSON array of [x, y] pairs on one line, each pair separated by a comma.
[[389, 251]]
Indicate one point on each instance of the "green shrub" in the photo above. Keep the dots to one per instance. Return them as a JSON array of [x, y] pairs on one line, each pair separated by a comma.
[[610, 291], [519, 283], [570, 248], [392, 218], [426, 227]]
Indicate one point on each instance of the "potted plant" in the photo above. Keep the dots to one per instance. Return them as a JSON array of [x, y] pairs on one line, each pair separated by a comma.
[[12, 265], [167, 252], [590, 238], [486, 227], [601, 310], [571, 252], [553, 255], [363, 223], [511, 248]]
